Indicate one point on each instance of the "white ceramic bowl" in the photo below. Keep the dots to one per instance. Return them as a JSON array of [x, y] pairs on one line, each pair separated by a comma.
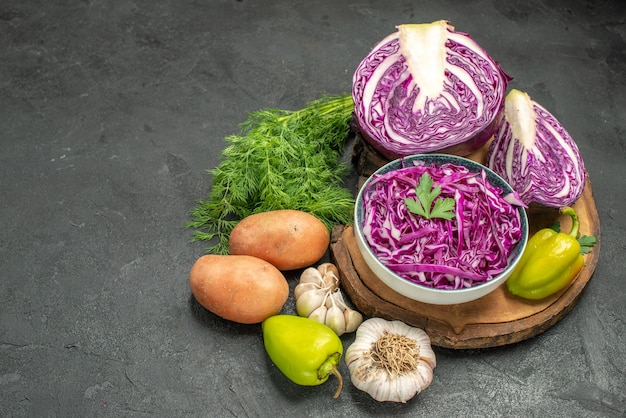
[[423, 293]]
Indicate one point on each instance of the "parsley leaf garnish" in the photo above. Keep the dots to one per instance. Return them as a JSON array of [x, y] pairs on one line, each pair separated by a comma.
[[426, 194], [586, 243]]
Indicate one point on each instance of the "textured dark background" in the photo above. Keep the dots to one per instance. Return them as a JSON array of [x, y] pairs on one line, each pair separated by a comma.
[[110, 113]]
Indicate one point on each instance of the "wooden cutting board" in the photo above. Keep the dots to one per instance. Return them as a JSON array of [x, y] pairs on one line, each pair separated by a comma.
[[496, 319]]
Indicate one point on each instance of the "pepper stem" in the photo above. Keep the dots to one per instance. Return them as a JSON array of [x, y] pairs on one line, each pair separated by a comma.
[[568, 210], [335, 371]]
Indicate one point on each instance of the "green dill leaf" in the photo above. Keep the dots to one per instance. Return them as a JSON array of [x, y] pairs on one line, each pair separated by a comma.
[[280, 160]]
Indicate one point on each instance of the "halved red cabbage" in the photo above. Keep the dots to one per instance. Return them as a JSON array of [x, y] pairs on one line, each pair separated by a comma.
[[427, 88], [470, 249], [534, 153]]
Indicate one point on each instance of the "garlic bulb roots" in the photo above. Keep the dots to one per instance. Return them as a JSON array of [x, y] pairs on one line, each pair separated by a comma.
[[390, 360], [318, 297]]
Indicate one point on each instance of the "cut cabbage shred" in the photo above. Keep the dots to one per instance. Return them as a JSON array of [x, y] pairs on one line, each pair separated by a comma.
[[534, 153], [428, 88], [470, 249]]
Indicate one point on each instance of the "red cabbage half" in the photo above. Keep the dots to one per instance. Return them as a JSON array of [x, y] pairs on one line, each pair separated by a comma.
[[427, 88], [468, 250], [535, 155]]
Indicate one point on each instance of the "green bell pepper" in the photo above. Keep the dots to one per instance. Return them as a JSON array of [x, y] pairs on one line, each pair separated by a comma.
[[304, 350], [549, 263]]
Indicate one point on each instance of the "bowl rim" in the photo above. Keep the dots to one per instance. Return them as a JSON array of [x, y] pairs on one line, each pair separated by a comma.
[[473, 166]]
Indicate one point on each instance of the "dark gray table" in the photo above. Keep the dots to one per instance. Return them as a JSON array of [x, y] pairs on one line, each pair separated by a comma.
[[110, 113]]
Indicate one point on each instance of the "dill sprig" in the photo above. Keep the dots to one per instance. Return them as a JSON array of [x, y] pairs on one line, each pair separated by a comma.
[[280, 160]]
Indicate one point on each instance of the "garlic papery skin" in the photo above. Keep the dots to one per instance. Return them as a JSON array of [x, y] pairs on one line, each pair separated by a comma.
[[353, 319], [310, 300], [390, 360], [318, 297], [311, 275], [330, 275], [303, 288], [319, 314], [335, 318]]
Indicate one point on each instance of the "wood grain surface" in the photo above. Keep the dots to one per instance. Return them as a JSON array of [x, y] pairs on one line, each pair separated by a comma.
[[496, 319]]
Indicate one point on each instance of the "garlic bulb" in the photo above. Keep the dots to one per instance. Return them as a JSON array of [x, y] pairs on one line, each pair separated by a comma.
[[318, 297], [390, 360]]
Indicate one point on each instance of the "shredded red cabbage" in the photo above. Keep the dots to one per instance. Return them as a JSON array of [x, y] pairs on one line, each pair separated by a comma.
[[468, 250]]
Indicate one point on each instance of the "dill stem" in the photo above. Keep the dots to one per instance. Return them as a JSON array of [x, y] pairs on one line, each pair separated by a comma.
[[280, 160]]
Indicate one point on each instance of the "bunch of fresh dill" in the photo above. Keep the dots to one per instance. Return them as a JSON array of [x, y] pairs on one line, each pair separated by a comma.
[[280, 160]]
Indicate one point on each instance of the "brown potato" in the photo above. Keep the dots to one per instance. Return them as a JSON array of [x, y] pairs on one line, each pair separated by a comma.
[[289, 239], [239, 288]]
